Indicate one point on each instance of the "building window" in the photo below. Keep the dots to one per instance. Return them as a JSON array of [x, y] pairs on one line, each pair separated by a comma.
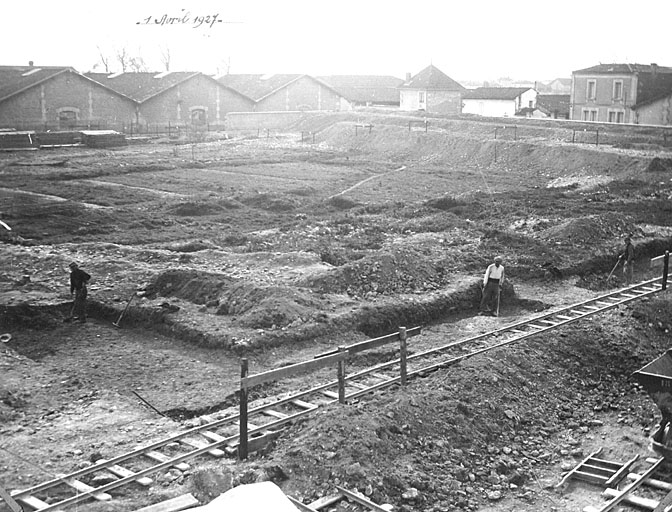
[[615, 116], [591, 89], [589, 114], [421, 96], [199, 116], [618, 90], [67, 119], [530, 104]]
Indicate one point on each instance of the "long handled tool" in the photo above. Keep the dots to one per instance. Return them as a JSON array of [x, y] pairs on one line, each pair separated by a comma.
[[499, 291], [613, 269], [128, 304]]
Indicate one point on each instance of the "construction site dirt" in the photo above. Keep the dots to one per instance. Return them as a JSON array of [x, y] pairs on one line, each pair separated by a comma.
[[276, 250]]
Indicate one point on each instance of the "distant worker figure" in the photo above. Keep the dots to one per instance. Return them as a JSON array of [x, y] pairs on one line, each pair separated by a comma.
[[78, 280], [628, 256], [492, 283]]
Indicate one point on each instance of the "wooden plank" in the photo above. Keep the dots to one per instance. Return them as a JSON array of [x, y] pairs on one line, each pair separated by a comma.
[[548, 322], [357, 385], [566, 317], [375, 342], [286, 371], [576, 468], [620, 474], [160, 457], [623, 493], [652, 482], [275, 414], [9, 500], [198, 444], [82, 487], [124, 473], [329, 393], [34, 502], [638, 501], [589, 477], [381, 376], [172, 505], [361, 499], [665, 505], [325, 501], [303, 405], [301, 506], [537, 326], [628, 295]]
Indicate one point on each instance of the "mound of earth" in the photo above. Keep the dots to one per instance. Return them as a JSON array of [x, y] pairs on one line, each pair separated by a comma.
[[584, 230], [268, 307], [397, 269]]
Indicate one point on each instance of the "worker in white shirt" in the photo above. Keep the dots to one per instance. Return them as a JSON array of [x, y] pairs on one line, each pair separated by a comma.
[[492, 284]]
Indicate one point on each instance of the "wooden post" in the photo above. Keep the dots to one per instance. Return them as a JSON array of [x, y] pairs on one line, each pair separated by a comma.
[[515, 132], [11, 503], [409, 125], [597, 137], [573, 134], [426, 125], [341, 377], [402, 354], [495, 132], [666, 267], [242, 439]]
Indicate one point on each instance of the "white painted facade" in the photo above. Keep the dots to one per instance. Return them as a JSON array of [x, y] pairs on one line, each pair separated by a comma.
[[498, 107]]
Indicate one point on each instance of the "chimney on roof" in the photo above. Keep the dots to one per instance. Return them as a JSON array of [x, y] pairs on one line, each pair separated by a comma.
[[408, 77], [654, 69], [30, 63]]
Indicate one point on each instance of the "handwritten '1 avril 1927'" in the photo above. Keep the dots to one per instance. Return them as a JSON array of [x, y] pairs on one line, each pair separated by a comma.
[[185, 18]]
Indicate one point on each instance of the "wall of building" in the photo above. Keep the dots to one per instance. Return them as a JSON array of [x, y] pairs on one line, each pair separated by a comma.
[[40, 107], [489, 108], [176, 104], [658, 112], [302, 94], [444, 102], [604, 101], [409, 100]]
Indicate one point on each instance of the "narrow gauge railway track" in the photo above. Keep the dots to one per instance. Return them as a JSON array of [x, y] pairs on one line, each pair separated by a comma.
[[219, 438]]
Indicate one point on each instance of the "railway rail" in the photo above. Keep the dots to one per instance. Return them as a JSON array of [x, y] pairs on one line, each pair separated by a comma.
[[264, 422]]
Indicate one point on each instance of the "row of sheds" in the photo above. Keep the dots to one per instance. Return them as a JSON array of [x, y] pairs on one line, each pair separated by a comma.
[[52, 97]]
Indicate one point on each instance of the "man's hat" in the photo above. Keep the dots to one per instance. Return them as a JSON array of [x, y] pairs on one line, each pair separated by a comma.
[[73, 265], [498, 258]]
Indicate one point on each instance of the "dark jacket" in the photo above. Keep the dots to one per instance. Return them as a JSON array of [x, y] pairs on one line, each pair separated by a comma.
[[78, 279]]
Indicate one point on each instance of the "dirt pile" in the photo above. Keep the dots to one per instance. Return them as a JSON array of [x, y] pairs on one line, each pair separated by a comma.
[[485, 431], [584, 230]]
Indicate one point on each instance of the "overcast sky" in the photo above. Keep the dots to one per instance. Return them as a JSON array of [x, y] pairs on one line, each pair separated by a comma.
[[467, 40]]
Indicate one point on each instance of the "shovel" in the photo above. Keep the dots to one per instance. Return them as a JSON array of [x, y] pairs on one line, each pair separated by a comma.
[[613, 269], [128, 304], [499, 291]]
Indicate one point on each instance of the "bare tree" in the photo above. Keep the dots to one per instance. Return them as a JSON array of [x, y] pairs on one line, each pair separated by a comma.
[[137, 64], [104, 59], [165, 57], [123, 58]]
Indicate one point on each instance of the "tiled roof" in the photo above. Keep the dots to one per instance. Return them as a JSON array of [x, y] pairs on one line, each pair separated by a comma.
[[15, 79], [432, 78], [622, 69], [257, 86], [141, 86], [553, 102], [659, 95], [495, 93], [365, 88]]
